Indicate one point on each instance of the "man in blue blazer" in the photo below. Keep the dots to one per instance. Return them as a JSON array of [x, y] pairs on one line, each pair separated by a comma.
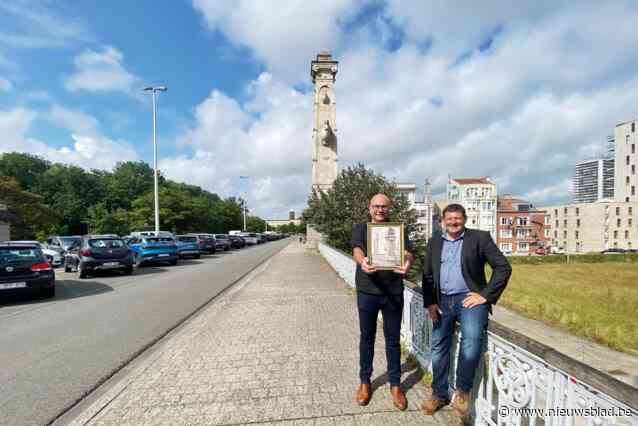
[[455, 289]]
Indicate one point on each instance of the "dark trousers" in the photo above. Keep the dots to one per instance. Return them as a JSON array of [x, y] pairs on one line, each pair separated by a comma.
[[391, 307], [473, 322]]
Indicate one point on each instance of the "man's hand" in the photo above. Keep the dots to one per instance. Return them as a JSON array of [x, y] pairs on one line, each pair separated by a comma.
[[403, 269], [367, 267], [473, 299], [435, 312]]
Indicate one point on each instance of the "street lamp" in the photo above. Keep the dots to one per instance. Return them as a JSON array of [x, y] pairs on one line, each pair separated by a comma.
[[245, 201], [154, 89]]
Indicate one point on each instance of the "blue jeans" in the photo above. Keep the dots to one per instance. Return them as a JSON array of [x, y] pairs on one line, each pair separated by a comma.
[[473, 322], [391, 307]]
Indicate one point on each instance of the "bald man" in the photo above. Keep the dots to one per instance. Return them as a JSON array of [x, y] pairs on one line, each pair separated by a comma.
[[379, 291]]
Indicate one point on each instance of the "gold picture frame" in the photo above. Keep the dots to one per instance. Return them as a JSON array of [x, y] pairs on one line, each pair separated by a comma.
[[385, 246]]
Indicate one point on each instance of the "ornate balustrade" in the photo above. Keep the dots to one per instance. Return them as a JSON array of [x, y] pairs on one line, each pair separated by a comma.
[[520, 381]]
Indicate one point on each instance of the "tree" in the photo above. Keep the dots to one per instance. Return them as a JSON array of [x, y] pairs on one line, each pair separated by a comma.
[[129, 181], [30, 218], [25, 168], [336, 211]]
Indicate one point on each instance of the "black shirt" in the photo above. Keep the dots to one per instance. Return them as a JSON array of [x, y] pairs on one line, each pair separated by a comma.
[[381, 282]]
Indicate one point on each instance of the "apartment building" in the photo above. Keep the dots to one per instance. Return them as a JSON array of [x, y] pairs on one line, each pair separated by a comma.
[[626, 180], [426, 213], [593, 227], [479, 197], [521, 227]]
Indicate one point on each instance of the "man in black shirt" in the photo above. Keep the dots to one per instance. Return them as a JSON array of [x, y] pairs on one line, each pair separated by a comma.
[[379, 291]]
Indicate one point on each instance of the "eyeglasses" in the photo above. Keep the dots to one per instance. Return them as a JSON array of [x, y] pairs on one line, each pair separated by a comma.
[[380, 207]]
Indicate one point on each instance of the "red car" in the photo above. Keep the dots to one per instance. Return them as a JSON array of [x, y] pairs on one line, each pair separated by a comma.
[[540, 251]]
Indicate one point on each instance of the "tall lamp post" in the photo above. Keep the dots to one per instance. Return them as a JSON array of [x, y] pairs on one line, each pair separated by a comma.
[[245, 202], [154, 89]]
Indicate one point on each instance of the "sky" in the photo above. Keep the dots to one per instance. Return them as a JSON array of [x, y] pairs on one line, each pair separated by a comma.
[[517, 91]]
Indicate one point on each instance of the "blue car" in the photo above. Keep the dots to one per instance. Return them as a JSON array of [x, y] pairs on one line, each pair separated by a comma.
[[187, 246], [153, 249]]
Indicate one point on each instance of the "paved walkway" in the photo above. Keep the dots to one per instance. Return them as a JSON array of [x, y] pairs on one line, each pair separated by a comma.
[[279, 348]]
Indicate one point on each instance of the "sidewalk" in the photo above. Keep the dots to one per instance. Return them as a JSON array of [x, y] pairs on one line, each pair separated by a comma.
[[279, 348]]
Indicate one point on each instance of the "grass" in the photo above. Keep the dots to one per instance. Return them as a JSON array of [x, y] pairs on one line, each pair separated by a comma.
[[598, 301]]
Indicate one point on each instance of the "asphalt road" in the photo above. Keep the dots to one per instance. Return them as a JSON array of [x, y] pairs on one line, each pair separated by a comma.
[[52, 352]]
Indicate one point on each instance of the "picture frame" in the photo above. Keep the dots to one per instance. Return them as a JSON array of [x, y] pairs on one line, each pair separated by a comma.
[[385, 245]]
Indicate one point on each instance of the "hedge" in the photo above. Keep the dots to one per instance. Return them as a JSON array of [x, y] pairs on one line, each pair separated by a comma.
[[573, 258]]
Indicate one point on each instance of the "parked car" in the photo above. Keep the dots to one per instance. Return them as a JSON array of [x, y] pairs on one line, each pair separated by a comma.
[[23, 268], [206, 242], [61, 243], [250, 238], [187, 246], [236, 241], [613, 251], [153, 250], [54, 257], [99, 253], [556, 250], [222, 242], [540, 251]]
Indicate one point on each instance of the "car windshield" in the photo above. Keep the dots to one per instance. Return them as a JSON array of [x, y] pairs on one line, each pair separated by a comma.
[[19, 254], [221, 237], [159, 240], [187, 239], [67, 241], [106, 243]]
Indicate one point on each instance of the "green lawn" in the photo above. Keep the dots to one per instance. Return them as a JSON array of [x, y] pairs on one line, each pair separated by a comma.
[[598, 301]]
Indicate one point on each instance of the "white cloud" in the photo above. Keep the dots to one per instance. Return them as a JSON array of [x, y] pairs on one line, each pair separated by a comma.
[[5, 85], [90, 150], [546, 92], [282, 35], [102, 71]]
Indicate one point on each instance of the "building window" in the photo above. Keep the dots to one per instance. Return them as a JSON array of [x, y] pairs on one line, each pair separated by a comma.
[[627, 160], [626, 235], [547, 220], [506, 233], [627, 180], [578, 223], [565, 222], [615, 244], [506, 247], [556, 234], [522, 221], [629, 210], [633, 190], [564, 234], [523, 246], [576, 234], [557, 223], [506, 220], [565, 210], [521, 233], [633, 148], [615, 234], [629, 222], [633, 169], [555, 212], [547, 233], [633, 127], [577, 211], [626, 139], [617, 211], [618, 222]]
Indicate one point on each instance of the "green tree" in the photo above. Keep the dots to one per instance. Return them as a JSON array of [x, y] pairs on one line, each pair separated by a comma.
[[31, 219], [336, 211], [129, 181], [25, 168]]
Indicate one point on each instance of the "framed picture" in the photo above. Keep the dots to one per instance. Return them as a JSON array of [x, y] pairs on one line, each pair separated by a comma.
[[385, 245]]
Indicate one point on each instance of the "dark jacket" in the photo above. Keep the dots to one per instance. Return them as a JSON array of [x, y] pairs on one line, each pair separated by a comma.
[[478, 249]]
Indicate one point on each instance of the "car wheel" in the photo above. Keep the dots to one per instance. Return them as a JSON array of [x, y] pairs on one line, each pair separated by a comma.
[[47, 292], [197, 256], [173, 262], [128, 270], [81, 271]]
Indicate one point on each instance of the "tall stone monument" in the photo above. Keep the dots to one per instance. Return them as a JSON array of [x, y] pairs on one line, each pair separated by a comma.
[[323, 71]]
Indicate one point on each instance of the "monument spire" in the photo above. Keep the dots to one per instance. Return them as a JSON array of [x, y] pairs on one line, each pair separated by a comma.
[[323, 71]]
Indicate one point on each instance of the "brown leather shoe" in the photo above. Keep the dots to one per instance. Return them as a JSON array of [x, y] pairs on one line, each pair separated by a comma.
[[398, 398], [431, 405], [363, 394], [461, 404]]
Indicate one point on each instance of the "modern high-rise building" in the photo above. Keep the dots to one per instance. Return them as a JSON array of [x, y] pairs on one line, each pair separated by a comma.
[[478, 196], [593, 180], [626, 180]]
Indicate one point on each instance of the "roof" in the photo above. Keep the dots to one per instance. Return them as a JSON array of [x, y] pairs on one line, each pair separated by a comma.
[[471, 181]]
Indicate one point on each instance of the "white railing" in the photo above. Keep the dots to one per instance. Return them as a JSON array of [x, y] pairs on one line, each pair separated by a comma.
[[519, 381]]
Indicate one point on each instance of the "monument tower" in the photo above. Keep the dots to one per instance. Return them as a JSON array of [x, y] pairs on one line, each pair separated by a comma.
[[323, 71]]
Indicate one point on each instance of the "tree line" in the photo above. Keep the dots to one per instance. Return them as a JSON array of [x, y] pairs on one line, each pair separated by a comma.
[[46, 198]]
